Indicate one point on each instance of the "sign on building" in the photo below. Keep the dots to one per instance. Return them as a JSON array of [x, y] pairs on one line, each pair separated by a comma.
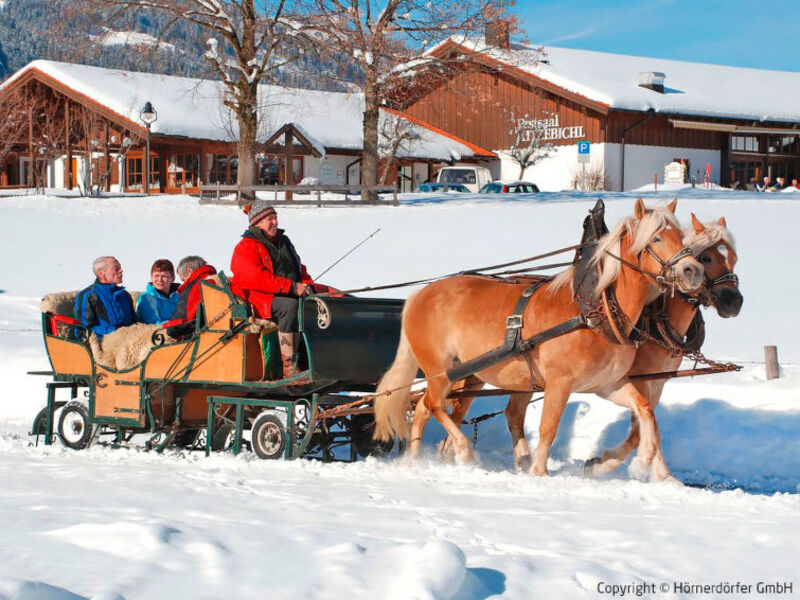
[[675, 172]]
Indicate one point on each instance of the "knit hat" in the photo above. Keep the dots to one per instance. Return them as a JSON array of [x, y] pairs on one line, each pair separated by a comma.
[[259, 210]]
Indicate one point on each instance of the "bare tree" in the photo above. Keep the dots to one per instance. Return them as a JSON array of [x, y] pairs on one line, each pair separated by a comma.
[[385, 39], [530, 143], [395, 134], [13, 123], [250, 41]]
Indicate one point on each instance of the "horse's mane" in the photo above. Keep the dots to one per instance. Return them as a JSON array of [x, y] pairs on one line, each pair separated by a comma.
[[714, 233], [641, 231]]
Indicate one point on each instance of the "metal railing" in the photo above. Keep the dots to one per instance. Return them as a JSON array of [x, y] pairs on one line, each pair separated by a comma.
[[239, 195]]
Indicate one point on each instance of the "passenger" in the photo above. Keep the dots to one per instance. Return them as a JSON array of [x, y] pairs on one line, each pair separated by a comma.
[[105, 305], [795, 184], [192, 270], [268, 272], [159, 300]]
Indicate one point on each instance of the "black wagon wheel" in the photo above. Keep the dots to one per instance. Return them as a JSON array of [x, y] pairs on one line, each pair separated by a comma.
[[223, 436], [186, 438], [74, 427], [269, 437], [362, 428]]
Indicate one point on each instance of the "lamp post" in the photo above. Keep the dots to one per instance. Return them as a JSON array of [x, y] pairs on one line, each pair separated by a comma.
[[148, 115]]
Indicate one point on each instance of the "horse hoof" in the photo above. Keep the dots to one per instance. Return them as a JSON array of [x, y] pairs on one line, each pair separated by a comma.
[[638, 471], [589, 466], [525, 463]]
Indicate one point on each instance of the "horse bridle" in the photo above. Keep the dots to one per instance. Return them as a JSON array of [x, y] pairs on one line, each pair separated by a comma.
[[667, 278], [705, 296]]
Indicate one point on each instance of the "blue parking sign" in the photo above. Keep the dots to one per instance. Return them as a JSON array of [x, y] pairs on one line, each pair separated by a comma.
[[583, 147]]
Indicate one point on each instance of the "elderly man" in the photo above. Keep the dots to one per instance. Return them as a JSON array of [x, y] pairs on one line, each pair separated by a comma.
[[105, 305], [268, 272], [192, 270]]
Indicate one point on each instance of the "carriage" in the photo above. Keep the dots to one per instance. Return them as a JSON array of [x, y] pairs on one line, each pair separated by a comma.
[[213, 385]]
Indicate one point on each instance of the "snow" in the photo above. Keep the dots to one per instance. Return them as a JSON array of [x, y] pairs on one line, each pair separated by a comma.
[[123, 523], [193, 108], [691, 88], [131, 38]]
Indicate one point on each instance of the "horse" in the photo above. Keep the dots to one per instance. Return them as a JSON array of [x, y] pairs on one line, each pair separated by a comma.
[[458, 318], [714, 247]]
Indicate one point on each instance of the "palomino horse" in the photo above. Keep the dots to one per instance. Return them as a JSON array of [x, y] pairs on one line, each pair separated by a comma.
[[458, 318], [714, 247]]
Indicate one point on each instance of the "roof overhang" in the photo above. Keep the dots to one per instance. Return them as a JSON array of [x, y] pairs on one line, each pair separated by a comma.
[[295, 134], [34, 74], [480, 58], [477, 150], [731, 128]]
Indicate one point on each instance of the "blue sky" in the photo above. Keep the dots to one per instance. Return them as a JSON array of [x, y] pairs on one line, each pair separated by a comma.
[[746, 33]]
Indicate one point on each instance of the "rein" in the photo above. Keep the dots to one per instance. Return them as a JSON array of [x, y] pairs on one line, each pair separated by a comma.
[[666, 278]]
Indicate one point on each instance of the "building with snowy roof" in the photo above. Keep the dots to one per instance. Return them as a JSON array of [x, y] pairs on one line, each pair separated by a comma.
[[637, 114], [85, 127]]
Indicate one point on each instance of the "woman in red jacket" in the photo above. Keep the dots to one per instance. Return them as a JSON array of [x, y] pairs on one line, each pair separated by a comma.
[[268, 272]]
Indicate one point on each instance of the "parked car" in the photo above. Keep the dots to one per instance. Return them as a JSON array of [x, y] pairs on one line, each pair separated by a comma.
[[510, 187], [443, 187], [472, 177]]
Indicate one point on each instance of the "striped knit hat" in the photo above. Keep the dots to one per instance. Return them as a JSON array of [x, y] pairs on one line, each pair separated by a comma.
[[259, 210]]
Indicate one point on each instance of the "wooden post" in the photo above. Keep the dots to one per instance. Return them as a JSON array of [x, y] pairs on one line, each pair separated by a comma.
[[31, 159], [107, 159], [771, 360], [68, 183], [288, 167]]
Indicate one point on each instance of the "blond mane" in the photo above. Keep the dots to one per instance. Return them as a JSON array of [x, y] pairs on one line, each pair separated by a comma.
[[714, 233], [641, 231]]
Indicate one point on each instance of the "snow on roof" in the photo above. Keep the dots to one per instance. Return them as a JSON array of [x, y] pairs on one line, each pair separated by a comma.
[[193, 108], [690, 88]]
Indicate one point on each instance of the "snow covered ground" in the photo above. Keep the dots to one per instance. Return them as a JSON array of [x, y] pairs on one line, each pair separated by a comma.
[[113, 524]]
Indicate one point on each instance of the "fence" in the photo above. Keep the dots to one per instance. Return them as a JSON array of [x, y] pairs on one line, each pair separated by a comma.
[[242, 194]]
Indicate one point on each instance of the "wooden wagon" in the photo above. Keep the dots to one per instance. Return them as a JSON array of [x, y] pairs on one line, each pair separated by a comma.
[[215, 380]]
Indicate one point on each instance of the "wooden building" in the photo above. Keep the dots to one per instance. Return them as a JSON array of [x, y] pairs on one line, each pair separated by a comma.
[[83, 126], [638, 114]]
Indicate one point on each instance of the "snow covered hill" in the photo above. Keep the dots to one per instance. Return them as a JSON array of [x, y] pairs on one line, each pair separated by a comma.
[[109, 523]]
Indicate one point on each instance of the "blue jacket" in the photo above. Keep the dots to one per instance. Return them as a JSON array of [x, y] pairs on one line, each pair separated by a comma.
[[155, 307], [104, 307]]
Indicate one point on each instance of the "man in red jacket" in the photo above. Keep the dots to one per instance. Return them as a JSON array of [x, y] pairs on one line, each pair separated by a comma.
[[192, 270], [268, 272]]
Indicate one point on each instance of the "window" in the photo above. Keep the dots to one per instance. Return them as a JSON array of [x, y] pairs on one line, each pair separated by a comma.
[[134, 177], [184, 169], [219, 169], [744, 143], [457, 176]]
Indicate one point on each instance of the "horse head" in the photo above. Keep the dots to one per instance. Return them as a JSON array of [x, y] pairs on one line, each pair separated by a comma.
[[714, 247], [650, 243]]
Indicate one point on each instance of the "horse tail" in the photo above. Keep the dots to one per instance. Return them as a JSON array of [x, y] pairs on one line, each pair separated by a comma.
[[392, 398]]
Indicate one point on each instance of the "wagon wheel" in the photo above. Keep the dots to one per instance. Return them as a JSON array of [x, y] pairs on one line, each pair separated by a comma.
[[186, 438], [39, 426], [269, 437], [223, 436], [74, 427], [361, 429]]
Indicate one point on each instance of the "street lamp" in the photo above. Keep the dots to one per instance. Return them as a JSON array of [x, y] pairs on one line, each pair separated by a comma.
[[148, 115]]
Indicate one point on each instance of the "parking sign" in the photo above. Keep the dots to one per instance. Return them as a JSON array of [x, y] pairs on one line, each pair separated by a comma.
[[583, 147]]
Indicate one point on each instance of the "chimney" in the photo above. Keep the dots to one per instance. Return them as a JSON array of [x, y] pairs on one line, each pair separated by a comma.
[[652, 80], [497, 35]]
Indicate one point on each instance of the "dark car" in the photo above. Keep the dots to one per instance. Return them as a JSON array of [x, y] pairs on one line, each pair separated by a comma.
[[510, 187], [443, 187]]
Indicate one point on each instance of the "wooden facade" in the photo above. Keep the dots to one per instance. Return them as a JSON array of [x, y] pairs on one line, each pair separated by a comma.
[[482, 104]]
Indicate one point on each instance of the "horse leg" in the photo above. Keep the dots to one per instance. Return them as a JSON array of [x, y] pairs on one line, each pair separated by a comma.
[[436, 401], [649, 452], [556, 394], [614, 457], [515, 416], [459, 411], [421, 417]]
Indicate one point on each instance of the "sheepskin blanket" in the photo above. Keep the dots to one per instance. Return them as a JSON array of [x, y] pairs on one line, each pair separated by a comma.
[[124, 348], [63, 303]]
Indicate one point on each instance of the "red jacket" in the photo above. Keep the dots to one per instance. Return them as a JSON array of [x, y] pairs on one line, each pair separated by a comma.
[[190, 295], [255, 279]]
